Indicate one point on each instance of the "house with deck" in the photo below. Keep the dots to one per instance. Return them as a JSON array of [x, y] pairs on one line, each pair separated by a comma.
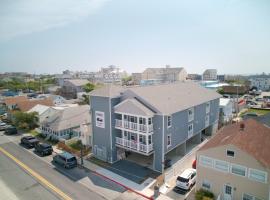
[[150, 122]]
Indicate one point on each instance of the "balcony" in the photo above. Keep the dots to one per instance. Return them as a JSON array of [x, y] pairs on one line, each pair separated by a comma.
[[133, 126], [133, 145]]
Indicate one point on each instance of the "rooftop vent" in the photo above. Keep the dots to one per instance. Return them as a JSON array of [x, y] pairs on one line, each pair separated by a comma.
[[242, 126]]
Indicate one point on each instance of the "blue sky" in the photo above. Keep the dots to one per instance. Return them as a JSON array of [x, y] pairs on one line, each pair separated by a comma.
[[50, 36]]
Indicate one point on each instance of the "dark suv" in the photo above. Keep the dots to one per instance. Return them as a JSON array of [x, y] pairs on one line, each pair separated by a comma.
[[11, 130], [29, 141], [65, 159], [44, 149]]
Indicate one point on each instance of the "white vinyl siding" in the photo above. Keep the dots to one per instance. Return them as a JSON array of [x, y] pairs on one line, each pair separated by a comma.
[[206, 161], [257, 175], [238, 170], [222, 166]]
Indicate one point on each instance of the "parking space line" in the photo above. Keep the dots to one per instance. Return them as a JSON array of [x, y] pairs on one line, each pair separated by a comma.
[[36, 175]]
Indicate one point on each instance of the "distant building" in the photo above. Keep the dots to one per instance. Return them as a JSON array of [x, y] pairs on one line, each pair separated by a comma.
[[221, 78], [136, 78], [12, 102], [234, 89], [235, 163], [111, 74], [195, 77], [25, 106], [164, 75], [210, 75], [71, 87], [261, 83]]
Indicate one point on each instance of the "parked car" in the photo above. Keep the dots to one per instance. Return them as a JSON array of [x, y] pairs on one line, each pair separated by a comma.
[[167, 163], [29, 141], [44, 149], [187, 179], [65, 159], [11, 130], [3, 126]]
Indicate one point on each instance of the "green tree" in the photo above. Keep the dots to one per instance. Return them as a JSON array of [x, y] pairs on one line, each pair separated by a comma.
[[89, 87], [26, 120]]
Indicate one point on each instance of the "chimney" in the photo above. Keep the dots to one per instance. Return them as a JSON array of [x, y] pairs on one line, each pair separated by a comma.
[[242, 126]]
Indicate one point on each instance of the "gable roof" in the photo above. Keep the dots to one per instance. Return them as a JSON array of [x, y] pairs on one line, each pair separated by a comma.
[[24, 106], [174, 97], [132, 106], [40, 109], [14, 100], [254, 139], [108, 90], [69, 118], [78, 82]]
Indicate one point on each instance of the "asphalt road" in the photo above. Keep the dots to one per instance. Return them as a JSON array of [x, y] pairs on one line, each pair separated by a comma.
[[19, 184]]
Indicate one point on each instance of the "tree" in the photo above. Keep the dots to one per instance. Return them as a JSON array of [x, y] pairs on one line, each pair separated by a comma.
[[89, 87], [26, 120]]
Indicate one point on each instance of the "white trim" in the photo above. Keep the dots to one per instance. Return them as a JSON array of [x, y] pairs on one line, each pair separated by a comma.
[[163, 134], [110, 112], [207, 182], [264, 172], [227, 184], [192, 109], [206, 157], [224, 162], [240, 166], [168, 121], [130, 114]]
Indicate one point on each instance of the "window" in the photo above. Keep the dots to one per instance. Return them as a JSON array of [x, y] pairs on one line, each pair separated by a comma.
[[258, 175], [206, 161], [149, 121], [169, 121], [207, 107], [169, 140], [238, 170], [222, 166], [250, 197], [149, 139], [206, 185], [190, 130], [230, 153], [207, 119], [190, 114]]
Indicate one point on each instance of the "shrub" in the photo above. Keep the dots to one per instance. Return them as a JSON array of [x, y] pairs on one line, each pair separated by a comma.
[[201, 194]]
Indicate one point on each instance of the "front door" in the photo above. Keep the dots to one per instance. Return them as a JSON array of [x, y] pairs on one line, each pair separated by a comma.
[[228, 190]]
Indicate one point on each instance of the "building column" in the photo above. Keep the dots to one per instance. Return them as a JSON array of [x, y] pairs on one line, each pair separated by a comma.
[[122, 120], [138, 123], [147, 143], [138, 142]]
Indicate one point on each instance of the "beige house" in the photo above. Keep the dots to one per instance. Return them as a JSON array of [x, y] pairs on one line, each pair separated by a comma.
[[235, 163]]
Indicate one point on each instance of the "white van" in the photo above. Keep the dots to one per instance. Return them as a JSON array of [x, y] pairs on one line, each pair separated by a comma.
[[186, 179]]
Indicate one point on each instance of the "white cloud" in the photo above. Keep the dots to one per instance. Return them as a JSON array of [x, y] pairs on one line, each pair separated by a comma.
[[27, 16]]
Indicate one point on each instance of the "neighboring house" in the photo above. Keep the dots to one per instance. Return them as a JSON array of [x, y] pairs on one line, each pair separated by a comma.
[[12, 102], [72, 87], [42, 111], [261, 83], [226, 110], [67, 123], [209, 75], [57, 99], [151, 121], [235, 163], [165, 75], [25, 106]]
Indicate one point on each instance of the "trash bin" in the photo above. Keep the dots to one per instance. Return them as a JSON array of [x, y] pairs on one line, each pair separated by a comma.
[[156, 192]]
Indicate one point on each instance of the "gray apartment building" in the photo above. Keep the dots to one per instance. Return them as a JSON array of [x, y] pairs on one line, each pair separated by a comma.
[[150, 121]]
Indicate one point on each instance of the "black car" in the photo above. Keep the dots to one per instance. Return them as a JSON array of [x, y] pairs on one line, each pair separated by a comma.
[[44, 149], [29, 141], [11, 130]]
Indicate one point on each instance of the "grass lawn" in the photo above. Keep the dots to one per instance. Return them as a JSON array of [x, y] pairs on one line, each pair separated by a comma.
[[34, 132], [257, 111], [74, 145]]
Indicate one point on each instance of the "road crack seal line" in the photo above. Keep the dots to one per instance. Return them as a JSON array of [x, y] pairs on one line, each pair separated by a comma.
[[36, 175]]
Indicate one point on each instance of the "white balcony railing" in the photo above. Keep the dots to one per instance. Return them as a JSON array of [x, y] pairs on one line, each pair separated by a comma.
[[134, 145], [133, 126]]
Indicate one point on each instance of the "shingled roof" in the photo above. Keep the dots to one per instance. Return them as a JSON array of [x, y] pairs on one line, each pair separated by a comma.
[[254, 139]]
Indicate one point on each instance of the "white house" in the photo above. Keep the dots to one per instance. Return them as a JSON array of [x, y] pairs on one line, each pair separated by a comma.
[[260, 83], [226, 109]]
